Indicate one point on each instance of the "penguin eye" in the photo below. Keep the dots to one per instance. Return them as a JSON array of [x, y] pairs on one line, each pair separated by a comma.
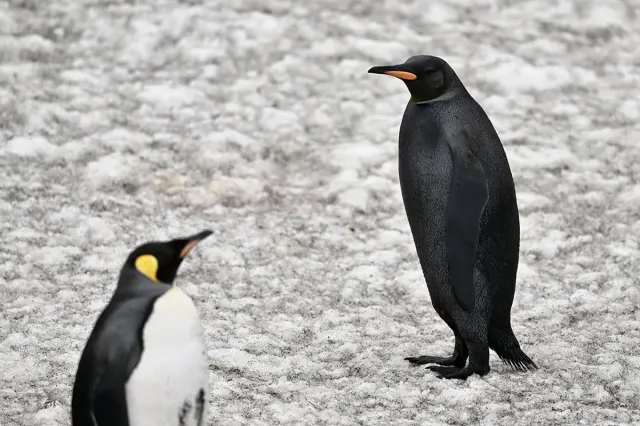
[[147, 265]]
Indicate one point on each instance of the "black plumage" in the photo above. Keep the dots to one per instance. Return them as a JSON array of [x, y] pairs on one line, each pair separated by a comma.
[[460, 201]]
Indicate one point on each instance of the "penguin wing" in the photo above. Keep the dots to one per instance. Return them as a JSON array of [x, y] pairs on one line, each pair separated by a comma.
[[468, 195], [108, 399], [117, 351]]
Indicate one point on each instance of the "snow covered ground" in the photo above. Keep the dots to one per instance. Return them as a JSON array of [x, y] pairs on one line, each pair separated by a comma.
[[125, 121]]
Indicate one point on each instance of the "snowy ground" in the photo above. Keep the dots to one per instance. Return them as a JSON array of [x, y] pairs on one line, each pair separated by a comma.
[[124, 121]]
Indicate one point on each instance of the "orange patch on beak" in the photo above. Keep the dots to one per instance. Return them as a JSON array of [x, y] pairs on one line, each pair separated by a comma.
[[188, 247], [404, 75]]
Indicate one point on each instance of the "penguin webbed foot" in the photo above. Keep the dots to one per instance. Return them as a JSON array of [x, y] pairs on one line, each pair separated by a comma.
[[444, 372], [455, 372], [426, 359]]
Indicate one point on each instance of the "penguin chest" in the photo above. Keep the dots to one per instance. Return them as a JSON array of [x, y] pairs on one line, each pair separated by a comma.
[[169, 386]]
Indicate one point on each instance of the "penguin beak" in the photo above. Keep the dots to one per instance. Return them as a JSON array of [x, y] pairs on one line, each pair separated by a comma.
[[193, 240], [393, 70]]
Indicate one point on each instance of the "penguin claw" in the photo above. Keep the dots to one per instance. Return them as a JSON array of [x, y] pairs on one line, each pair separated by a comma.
[[426, 359]]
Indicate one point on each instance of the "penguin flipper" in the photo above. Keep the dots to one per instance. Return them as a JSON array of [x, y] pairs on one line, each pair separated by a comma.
[[468, 195], [117, 351], [109, 404]]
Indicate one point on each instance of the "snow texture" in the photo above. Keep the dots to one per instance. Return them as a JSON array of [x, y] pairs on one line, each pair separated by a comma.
[[123, 122]]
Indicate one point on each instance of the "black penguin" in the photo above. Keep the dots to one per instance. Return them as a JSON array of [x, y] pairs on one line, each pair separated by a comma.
[[460, 200], [145, 361]]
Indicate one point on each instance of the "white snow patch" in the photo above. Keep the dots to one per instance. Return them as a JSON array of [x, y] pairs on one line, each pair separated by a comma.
[[605, 16], [37, 43], [438, 13], [524, 76], [140, 45], [122, 139], [526, 157], [346, 179], [549, 245], [221, 256], [30, 146], [617, 249], [227, 137], [548, 46], [8, 22], [227, 189], [110, 169], [95, 230], [357, 155], [357, 198], [532, 200], [82, 77], [67, 295], [328, 47], [54, 256], [51, 416], [168, 97], [612, 371], [378, 50], [274, 119], [630, 195], [630, 109]]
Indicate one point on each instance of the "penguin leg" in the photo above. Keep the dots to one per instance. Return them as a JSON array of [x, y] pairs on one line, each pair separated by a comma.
[[458, 359], [475, 338], [478, 363]]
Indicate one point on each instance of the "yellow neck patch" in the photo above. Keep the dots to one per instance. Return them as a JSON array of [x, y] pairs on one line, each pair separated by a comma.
[[148, 265]]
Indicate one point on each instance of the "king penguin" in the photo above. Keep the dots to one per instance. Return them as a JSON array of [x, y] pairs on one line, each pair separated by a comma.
[[145, 363], [460, 201]]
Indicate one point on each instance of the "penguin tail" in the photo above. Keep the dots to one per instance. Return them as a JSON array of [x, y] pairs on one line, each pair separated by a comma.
[[510, 353]]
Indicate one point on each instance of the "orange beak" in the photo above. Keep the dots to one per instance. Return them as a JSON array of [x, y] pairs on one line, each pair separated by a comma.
[[193, 241], [403, 75], [393, 70]]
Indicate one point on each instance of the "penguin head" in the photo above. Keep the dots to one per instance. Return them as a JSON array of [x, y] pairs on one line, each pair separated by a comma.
[[159, 260], [426, 77]]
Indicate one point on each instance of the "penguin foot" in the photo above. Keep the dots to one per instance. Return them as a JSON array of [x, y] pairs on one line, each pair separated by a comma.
[[425, 359], [444, 372], [455, 372]]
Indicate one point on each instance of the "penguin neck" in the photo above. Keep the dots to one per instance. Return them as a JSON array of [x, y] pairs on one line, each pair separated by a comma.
[[132, 282], [426, 96], [422, 98]]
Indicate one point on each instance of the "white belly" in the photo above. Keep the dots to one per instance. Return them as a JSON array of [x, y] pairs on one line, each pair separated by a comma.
[[169, 387]]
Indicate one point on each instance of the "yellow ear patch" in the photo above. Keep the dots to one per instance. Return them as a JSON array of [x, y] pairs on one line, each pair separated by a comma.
[[148, 265]]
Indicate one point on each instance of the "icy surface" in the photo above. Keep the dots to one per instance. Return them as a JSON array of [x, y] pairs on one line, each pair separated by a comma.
[[126, 121]]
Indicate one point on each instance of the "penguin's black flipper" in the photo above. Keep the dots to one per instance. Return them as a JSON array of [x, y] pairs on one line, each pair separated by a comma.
[[109, 404], [113, 351], [468, 194], [119, 347], [100, 398]]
